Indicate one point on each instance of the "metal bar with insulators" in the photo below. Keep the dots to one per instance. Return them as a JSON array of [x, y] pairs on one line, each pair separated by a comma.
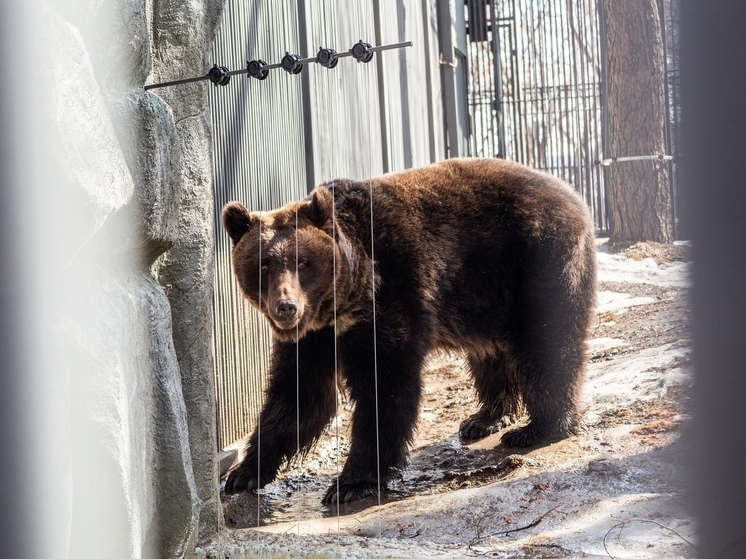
[[291, 63]]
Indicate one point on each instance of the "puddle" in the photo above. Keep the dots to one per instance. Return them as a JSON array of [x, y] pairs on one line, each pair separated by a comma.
[[435, 468]]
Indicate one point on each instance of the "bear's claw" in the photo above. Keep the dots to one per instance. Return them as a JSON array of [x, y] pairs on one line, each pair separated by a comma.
[[240, 480], [349, 491], [533, 434], [483, 424]]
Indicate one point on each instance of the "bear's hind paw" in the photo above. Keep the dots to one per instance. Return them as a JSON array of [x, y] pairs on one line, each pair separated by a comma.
[[482, 424], [533, 434]]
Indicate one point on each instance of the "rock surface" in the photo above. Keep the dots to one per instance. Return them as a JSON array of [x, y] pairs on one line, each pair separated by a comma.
[[130, 423], [183, 33]]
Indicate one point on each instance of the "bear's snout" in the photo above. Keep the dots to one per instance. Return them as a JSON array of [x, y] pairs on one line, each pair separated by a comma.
[[286, 309]]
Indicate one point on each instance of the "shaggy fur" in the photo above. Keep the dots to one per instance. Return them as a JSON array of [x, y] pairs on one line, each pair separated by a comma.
[[482, 256]]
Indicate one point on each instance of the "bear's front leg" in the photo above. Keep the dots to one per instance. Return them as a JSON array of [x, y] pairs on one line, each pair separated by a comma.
[[384, 419], [283, 428]]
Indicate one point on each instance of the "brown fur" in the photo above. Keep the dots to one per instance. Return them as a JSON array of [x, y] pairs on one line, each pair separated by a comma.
[[477, 255]]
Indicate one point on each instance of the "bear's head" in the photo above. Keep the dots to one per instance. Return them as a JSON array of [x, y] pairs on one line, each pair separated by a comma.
[[284, 262]]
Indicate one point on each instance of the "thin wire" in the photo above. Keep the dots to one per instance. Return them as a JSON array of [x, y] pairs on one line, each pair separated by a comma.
[[336, 372], [259, 419], [297, 363], [375, 346]]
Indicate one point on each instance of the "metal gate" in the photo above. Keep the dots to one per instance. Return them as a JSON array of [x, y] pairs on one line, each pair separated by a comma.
[[535, 85]]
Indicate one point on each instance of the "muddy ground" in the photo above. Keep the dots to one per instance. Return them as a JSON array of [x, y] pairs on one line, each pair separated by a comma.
[[615, 490]]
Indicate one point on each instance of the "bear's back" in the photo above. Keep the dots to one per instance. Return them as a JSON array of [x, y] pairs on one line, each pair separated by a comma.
[[463, 235], [471, 196]]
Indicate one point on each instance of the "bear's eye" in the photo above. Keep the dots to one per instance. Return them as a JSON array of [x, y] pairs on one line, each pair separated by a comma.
[[265, 267], [302, 264]]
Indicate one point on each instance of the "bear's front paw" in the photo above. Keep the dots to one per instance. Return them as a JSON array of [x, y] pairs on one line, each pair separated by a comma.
[[240, 480], [349, 491]]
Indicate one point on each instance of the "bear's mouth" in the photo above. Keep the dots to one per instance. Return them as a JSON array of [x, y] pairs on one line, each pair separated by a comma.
[[287, 329], [285, 324], [288, 332]]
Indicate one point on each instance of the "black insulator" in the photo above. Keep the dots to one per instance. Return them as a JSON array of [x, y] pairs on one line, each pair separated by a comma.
[[326, 58], [219, 75], [256, 69], [362, 52], [290, 64]]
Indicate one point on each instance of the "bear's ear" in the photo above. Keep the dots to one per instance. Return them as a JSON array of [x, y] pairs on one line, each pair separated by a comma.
[[320, 208], [236, 220]]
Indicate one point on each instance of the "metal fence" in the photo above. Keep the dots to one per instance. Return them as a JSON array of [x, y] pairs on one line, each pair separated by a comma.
[[670, 15], [534, 87], [519, 79], [536, 90], [273, 140]]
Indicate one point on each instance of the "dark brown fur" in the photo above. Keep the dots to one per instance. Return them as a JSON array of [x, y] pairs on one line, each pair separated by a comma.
[[478, 255]]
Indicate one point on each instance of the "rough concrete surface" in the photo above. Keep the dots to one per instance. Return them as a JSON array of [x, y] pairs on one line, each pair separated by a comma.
[[182, 36], [616, 490], [128, 178]]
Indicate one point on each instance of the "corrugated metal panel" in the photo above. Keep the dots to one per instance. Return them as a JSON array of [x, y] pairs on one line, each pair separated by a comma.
[[273, 139], [346, 108], [259, 159], [406, 83]]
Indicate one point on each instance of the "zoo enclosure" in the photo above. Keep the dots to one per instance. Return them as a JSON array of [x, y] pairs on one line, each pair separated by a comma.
[[519, 79], [536, 90]]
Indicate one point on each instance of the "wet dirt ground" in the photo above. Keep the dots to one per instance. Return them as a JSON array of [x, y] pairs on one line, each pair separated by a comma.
[[615, 490]]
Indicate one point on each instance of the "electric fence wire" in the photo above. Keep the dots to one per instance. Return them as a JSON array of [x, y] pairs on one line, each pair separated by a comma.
[[259, 417], [336, 371], [375, 349], [297, 365]]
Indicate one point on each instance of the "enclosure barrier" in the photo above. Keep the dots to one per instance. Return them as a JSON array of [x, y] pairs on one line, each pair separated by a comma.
[[291, 63]]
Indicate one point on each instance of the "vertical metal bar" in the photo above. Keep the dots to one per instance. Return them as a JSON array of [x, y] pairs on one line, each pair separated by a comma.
[[580, 74], [605, 148], [518, 153], [406, 125], [307, 100], [566, 93], [572, 33], [589, 104], [555, 115], [533, 61], [595, 67], [522, 106], [382, 98], [667, 120], [428, 79], [540, 58], [497, 71]]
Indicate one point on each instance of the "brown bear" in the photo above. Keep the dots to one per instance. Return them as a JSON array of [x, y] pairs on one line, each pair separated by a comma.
[[482, 256]]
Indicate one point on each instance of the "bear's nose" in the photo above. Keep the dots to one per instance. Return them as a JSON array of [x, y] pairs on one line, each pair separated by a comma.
[[286, 309]]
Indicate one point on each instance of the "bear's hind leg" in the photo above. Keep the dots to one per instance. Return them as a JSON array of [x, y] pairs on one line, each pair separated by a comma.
[[552, 358], [551, 379], [498, 395], [553, 309]]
